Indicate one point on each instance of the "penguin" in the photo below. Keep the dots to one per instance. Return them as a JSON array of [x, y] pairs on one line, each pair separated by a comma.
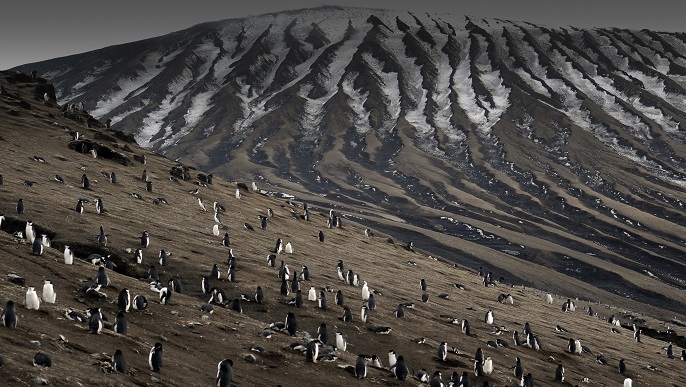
[[238, 193], [347, 315], [288, 249], [284, 287], [627, 382], [224, 373], [391, 359], [138, 256], [145, 239], [339, 298], [95, 323], [400, 369], [465, 328], [139, 302], [560, 373], [20, 206], [259, 295], [364, 314], [478, 368], [148, 186], [349, 277], [155, 357], [305, 274], [85, 182], [49, 295], [295, 285], [422, 285], [341, 343], [321, 236], [361, 367], [270, 212], [322, 333], [236, 305], [400, 311], [291, 324], [29, 232], [120, 325], [578, 347], [489, 319], [164, 258], [683, 355], [298, 300], [118, 362], [152, 273], [32, 301], [215, 230], [175, 285], [113, 178], [9, 315], [368, 232], [312, 352], [518, 370], [442, 351], [622, 367], [371, 302], [102, 278], [365, 291], [549, 298], [479, 355], [79, 206], [40, 359], [68, 255], [356, 280], [312, 294], [571, 346], [37, 247], [99, 207], [102, 238], [271, 260], [637, 335], [425, 297], [437, 380], [202, 205], [214, 273], [248, 226], [165, 296], [669, 351], [321, 301], [226, 241], [527, 380], [124, 300]]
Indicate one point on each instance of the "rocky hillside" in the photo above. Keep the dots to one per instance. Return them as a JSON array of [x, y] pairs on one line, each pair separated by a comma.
[[44, 163], [533, 150]]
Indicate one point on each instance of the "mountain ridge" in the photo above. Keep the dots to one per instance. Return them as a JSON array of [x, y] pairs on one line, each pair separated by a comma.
[[568, 139]]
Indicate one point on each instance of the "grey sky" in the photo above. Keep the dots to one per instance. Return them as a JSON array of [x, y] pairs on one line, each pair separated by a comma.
[[31, 32]]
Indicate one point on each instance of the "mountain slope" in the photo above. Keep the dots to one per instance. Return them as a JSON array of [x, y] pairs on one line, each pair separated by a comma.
[[490, 142], [193, 341]]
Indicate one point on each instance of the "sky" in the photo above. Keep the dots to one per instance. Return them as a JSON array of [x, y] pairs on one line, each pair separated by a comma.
[[44, 30]]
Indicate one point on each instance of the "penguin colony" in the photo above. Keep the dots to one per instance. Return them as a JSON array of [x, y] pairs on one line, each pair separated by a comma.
[[364, 308]]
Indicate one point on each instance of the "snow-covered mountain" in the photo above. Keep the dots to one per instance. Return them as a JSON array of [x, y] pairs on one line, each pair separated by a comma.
[[559, 147]]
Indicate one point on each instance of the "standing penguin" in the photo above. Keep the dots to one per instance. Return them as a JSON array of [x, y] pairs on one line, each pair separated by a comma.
[[95, 322], [155, 357], [164, 258], [361, 367], [347, 315], [102, 238], [341, 343], [9, 315], [263, 222], [400, 369], [489, 319], [371, 302], [259, 295], [622, 367], [364, 314], [442, 351], [148, 186], [120, 325], [321, 236], [99, 207], [466, 330], [226, 241], [124, 300], [68, 255], [79, 206], [400, 311], [560, 373], [312, 294], [321, 301], [291, 324], [312, 351], [224, 373], [118, 362], [102, 278], [339, 298], [85, 182], [518, 370], [37, 247], [32, 301], [322, 333], [49, 295], [20, 206], [145, 239]]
